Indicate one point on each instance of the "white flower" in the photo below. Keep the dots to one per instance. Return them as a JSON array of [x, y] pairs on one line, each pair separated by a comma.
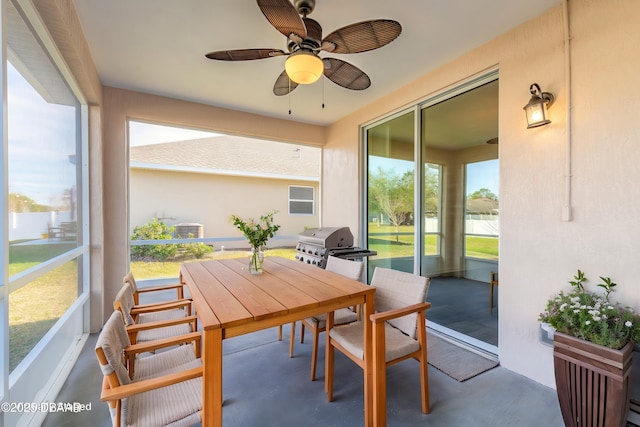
[[596, 318], [628, 324], [576, 311], [588, 322], [563, 306]]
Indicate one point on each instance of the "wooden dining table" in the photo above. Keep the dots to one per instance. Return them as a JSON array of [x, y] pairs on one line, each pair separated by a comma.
[[230, 301]]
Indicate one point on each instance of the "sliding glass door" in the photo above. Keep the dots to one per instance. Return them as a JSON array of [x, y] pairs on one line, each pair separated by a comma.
[[433, 203], [390, 193]]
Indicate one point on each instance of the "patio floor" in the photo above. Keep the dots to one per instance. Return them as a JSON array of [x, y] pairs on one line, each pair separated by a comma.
[[264, 387]]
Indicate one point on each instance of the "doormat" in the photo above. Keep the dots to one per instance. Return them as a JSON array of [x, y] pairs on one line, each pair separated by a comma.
[[456, 361]]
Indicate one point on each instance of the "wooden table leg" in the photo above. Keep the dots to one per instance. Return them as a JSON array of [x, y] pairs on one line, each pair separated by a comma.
[[212, 378], [368, 361]]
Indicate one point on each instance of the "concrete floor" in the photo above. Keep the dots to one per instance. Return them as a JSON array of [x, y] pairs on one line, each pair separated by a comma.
[[264, 387]]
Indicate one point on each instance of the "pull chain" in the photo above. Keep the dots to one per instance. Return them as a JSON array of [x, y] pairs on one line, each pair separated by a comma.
[[289, 94], [322, 93]]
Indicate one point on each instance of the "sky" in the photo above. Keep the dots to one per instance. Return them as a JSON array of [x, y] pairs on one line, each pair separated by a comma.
[[42, 136], [146, 133]]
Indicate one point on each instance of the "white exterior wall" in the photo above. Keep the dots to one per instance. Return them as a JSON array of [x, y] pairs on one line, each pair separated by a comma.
[[210, 200], [539, 252]]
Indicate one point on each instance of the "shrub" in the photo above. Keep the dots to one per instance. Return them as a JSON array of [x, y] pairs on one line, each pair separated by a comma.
[[154, 230]]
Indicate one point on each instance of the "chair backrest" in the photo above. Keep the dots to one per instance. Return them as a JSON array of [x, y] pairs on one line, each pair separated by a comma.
[[131, 281], [344, 267], [397, 289], [124, 303], [112, 341]]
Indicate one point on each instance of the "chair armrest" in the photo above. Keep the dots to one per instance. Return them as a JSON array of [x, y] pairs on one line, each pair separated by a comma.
[[160, 324], [137, 387], [152, 305], [148, 308], [160, 287], [166, 342], [399, 312]]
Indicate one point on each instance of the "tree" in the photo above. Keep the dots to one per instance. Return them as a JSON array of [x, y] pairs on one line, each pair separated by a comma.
[[392, 194], [431, 190], [483, 193]]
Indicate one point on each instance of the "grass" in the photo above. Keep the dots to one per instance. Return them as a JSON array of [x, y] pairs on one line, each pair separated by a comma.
[[35, 307], [158, 269], [389, 244]]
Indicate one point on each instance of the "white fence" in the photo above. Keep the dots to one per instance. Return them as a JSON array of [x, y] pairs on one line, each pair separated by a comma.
[[32, 225]]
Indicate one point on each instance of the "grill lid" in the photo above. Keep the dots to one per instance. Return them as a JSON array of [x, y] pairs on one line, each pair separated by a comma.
[[328, 237]]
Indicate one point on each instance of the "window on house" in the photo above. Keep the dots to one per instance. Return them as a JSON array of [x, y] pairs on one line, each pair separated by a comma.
[[300, 200]]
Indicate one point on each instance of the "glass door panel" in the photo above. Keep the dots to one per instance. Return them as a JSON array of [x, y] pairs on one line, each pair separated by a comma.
[[460, 192], [390, 193]]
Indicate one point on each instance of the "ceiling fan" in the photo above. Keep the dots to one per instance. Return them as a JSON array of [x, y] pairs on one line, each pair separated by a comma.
[[304, 42]]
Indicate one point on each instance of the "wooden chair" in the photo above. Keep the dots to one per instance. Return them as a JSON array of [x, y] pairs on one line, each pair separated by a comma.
[[493, 281], [150, 323], [128, 278], [164, 388], [399, 333], [343, 316]]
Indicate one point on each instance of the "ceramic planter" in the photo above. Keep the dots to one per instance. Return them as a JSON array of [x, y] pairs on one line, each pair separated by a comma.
[[592, 382]]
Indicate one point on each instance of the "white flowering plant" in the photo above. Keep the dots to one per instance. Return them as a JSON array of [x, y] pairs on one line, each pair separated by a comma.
[[592, 316], [257, 232]]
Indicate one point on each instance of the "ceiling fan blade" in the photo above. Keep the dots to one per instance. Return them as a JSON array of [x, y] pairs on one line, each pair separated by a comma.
[[284, 17], [244, 54], [362, 36], [284, 85], [346, 75]]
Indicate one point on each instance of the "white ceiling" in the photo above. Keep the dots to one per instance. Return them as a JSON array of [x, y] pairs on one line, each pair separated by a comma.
[[158, 47]]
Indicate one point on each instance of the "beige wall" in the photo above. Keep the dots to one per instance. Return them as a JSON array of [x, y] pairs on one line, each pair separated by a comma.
[[211, 199], [539, 251]]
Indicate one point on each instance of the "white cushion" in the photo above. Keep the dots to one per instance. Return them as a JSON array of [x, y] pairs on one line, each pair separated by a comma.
[[351, 337]]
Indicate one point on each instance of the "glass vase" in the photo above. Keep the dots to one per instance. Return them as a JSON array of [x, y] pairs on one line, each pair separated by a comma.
[[255, 261]]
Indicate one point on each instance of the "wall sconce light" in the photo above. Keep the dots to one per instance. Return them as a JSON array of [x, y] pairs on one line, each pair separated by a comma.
[[536, 109]]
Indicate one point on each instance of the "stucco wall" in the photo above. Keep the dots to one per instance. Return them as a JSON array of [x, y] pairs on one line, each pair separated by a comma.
[[211, 199], [539, 252]]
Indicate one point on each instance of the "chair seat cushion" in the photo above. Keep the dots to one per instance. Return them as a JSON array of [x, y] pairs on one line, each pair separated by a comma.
[[176, 359], [351, 337], [176, 405], [341, 316], [161, 333]]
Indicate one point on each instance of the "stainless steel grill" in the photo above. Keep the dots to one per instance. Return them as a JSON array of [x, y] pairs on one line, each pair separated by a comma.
[[317, 244]]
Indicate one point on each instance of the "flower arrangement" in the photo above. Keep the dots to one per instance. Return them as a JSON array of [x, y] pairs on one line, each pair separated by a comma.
[[257, 232], [591, 316]]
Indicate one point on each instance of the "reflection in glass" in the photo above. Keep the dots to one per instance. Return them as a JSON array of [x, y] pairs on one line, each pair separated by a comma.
[[431, 198], [391, 183], [482, 210], [42, 152], [35, 307]]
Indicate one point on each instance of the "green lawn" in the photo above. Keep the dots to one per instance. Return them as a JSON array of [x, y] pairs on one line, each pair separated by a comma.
[[391, 244], [35, 307], [158, 269]]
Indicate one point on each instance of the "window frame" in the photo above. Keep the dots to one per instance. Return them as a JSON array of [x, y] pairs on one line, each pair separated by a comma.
[[312, 201]]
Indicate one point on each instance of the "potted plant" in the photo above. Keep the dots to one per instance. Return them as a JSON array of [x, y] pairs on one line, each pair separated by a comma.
[[257, 232], [592, 350]]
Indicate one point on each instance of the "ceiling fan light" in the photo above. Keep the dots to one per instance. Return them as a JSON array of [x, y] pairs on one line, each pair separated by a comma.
[[304, 67]]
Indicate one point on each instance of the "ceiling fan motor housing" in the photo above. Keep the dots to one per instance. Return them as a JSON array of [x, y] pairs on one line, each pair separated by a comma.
[[304, 7]]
